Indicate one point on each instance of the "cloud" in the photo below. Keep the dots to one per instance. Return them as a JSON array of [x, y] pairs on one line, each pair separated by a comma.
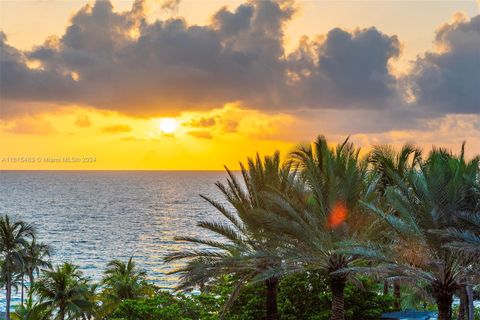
[[134, 139], [31, 126], [119, 128], [82, 121], [232, 121], [171, 5], [169, 66], [202, 134], [203, 122], [230, 125], [344, 70], [449, 130], [18, 82], [120, 61], [448, 80]]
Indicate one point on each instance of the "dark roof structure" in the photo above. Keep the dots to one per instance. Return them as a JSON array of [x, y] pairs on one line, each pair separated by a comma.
[[409, 315]]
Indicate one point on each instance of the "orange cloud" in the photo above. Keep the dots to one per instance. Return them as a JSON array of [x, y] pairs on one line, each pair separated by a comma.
[[202, 122], [119, 128], [31, 126], [202, 134], [83, 121]]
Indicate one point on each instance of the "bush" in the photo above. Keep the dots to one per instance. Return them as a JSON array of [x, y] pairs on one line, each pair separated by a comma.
[[476, 313], [307, 296], [166, 306], [249, 305], [304, 296]]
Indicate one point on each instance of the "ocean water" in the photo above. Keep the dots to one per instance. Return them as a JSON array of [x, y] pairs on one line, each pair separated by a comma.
[[92, 217]]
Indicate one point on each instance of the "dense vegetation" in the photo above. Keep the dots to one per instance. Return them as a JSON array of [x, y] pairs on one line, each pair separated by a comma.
[[323, 235]]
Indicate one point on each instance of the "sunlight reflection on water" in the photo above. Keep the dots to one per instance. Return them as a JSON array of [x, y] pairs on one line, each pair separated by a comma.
[[90, 218]]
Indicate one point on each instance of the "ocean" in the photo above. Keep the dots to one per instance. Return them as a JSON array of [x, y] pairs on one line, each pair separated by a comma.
[[91, 217]]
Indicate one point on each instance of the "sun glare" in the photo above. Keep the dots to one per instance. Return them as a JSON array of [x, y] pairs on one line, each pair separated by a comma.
[[168, 125], [338, 215]]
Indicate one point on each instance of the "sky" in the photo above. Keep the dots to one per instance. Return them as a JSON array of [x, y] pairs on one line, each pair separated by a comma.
[[195, 84]]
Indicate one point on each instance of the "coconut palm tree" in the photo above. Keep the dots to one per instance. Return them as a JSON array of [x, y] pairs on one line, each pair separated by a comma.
[[63, 291], [392, 166], [14, 237], [36, 256], [319, 227], [123, 281], [96, 304], [31, 311], [239, 245], [429, 201]]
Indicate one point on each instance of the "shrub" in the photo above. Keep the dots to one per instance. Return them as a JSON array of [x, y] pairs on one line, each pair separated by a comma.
[[164, 306], [300, 297], [307, 296]]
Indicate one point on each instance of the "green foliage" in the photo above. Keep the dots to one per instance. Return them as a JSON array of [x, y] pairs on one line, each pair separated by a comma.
[[307, 296], [64, 291], [166, 306], [395, 214], [303, 296], [423, 210], [366, 303], [123, 281], [249, 305], [476, 313], [31, 311]]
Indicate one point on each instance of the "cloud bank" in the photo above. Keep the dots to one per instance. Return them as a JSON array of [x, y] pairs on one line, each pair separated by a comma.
[[119, 61], [448, 81]]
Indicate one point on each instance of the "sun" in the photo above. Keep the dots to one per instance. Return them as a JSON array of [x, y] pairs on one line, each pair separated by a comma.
[[168, 125]]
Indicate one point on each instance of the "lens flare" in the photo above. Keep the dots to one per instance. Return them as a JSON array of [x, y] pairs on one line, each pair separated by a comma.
[[338, 215]]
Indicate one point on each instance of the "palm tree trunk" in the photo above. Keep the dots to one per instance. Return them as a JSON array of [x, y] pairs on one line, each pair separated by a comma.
[[8, 297], [61, 313], [396, 295], [385, 287], [469, 291], [462, 309], [30, 276], [337, 285], [271, 302], [23, 284], [444, 303], [443, 288]]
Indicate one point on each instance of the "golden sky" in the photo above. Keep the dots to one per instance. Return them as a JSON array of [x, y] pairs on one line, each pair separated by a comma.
[[195, 85]]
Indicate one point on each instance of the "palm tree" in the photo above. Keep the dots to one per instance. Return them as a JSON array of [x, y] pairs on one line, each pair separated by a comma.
[[14, 237], [123, 281], [464, 239], [392, 166], [96, 304], [64, 291], [320, 226], [240, 245], [470, 224], [36, 256], [31, 311], [429, 201]]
